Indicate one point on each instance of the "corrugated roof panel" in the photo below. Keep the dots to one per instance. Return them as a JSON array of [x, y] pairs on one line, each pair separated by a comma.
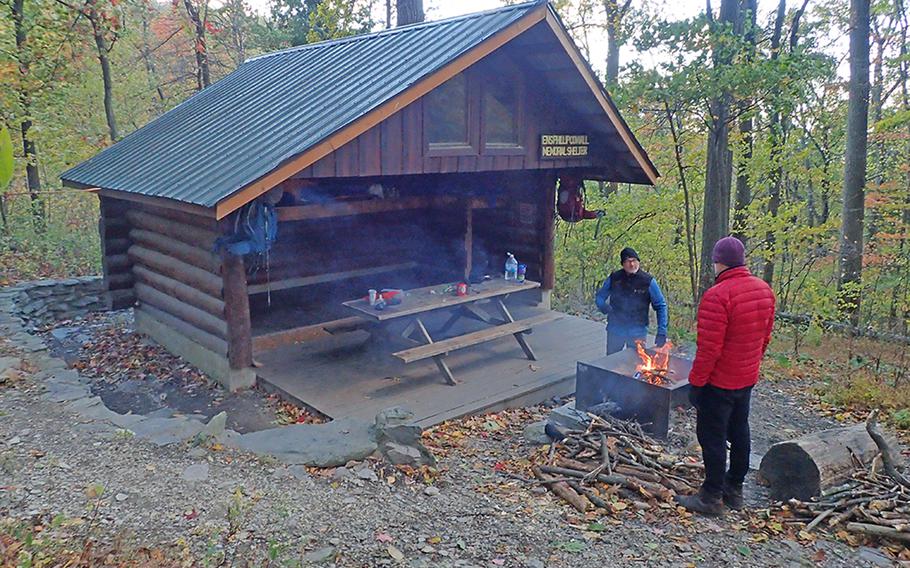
[[276, 106]]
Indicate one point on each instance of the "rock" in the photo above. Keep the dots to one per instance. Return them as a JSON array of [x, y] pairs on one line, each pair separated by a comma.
[[534, 563], [566, 417], [196, 472], [299, 472], [399, 440], [216, 425], [65, 392], [121, 497], [431, 491], [196, 453], [10, 363], [398, 454], [341, 473], [394, 424], [534, 433], [873, 557], [319, 556], [367, 474], [165, 431], [322, 445]]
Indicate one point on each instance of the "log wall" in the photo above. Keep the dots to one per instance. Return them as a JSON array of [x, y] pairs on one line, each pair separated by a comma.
[[163, 258], [178, 280], [116, 265]]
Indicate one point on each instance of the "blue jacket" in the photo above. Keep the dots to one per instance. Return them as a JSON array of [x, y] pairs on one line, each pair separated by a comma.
[[627, 298]]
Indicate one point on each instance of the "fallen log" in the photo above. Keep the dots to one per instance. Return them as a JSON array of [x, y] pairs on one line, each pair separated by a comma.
[[804, 467], [878, 531], [562, 490]]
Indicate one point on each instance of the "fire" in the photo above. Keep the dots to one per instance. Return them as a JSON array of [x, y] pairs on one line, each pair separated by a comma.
[[655, 368]]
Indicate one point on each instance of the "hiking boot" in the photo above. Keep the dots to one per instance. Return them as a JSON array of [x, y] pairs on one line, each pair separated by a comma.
[[702, 502], [733, 497]]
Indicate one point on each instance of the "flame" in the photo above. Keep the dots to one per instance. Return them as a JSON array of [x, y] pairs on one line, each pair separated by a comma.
[[655, 368]]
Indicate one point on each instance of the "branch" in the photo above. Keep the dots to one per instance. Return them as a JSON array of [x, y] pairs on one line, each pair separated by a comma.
[[885, 449]]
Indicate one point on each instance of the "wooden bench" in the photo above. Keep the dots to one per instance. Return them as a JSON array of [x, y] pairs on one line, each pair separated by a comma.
[[474, 338]]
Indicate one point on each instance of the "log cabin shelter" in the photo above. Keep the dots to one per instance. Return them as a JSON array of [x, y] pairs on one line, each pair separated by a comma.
[[411, 157]]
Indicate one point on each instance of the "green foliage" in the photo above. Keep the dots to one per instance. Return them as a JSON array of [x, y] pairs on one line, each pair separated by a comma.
[[901, 419], [6, 158]]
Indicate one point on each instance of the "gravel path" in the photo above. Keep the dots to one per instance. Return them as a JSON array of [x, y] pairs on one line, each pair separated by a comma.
[[207, 505]]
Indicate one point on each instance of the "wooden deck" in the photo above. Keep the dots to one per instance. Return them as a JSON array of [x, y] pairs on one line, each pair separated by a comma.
[[353, 376]]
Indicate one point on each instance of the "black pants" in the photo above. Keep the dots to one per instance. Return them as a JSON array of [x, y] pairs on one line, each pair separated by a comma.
[[723, 416], [618, 341]]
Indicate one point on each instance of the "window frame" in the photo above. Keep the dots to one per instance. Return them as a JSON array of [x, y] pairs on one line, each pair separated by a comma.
[[443, 149], [499, 148]]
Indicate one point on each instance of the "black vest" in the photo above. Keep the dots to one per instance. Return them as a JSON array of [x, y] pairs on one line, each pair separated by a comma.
[[630, 298]]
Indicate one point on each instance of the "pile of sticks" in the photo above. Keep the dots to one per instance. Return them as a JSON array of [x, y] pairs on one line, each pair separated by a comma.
[[875, 501], [614, 460]]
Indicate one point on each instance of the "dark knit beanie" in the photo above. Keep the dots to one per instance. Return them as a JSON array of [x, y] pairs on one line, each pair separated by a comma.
[[627, 253], [730, 252]]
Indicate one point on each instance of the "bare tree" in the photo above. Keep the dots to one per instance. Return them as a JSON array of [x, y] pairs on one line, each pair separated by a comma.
[[409, 11], [105, 33], [851, 238], [199, 19]]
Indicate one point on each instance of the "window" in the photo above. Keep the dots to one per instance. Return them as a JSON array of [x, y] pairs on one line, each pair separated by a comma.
[[447, 116], [500, 114], [502, 111]]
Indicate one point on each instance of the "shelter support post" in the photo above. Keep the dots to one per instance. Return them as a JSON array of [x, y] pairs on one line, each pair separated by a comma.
[[237, 312]]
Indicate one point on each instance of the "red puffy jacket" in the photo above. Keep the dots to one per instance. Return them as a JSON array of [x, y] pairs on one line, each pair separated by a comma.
[[735, 319]]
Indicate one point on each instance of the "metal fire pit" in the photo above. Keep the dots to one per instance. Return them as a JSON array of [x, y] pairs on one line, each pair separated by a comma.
[[611, 378]]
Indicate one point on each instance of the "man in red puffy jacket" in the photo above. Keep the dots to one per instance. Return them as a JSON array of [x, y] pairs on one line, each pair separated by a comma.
[[735, 319]]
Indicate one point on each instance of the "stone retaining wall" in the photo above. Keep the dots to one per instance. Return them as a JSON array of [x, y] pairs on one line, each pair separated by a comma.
[[44, 301]]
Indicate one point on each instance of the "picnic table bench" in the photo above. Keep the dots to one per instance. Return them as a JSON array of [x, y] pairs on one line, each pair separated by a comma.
[[422, 301]]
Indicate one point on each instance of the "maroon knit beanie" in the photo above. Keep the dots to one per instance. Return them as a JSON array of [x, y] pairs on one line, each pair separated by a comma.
[[729, 251]]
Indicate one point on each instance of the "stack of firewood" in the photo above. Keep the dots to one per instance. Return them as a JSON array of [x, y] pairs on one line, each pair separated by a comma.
[[614, 460], [875, 501]]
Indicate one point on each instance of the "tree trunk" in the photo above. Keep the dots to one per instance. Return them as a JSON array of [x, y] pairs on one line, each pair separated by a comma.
[[851, 239], [29, 149], [743, 184], [203, 79], [388, 14], [777, 142], [409, 11], [719, 164], [681, 172], [615, 14], [102, 48], [876, 95]]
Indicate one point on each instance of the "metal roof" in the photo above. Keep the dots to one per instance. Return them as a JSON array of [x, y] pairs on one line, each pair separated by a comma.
[[276, 106]]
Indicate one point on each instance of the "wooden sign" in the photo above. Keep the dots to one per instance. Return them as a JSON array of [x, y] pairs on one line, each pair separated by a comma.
[[561, 146]]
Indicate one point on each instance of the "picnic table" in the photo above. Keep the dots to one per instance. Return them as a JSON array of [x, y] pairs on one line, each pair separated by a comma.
[[419, 302]]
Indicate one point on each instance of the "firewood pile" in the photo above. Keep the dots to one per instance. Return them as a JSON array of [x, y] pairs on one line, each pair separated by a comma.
[[614, 461], [875, 501]]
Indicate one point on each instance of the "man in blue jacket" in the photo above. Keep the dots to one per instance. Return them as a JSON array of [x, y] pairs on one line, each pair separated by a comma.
[[626, 297]]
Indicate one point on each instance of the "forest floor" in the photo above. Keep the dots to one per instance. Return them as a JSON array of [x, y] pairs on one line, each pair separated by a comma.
[[74, 488]]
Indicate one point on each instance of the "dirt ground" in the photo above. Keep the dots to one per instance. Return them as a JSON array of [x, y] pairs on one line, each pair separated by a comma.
[[205, 506]]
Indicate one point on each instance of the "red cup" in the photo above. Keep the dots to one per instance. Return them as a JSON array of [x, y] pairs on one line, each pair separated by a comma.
[[461, 289]]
